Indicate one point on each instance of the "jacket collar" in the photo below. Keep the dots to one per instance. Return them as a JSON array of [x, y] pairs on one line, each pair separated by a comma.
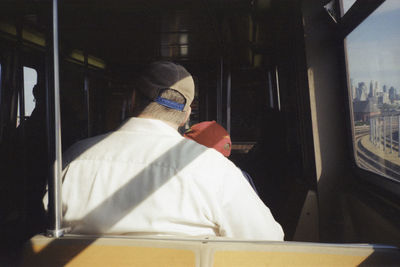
[[151, 126]]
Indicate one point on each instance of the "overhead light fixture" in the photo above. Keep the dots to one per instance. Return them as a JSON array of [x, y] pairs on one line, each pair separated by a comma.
[[27, 35], [78, 55]]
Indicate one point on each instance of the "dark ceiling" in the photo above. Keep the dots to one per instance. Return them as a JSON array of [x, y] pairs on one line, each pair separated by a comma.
[[126, 32], [123, 32]]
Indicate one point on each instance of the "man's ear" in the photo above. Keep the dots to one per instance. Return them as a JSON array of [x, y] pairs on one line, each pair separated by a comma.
[[187, 115]]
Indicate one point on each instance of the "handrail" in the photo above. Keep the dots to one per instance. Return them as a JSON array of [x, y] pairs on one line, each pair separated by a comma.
[[55, 186]]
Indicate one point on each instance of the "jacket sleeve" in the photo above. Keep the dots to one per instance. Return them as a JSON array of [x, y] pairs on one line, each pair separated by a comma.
[[241, 213]]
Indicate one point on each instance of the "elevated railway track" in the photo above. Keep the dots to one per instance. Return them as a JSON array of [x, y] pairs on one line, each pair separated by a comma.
[[370, 160]]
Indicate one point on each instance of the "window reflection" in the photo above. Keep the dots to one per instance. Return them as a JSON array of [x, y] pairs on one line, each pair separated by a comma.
[[373, 51], [347, 4], [175, 45]]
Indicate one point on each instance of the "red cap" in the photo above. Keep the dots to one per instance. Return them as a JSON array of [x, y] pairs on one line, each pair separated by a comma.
[[211, 134]]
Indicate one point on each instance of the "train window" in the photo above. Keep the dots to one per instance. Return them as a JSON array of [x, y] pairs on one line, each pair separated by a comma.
[[374, 88], [30, 79]]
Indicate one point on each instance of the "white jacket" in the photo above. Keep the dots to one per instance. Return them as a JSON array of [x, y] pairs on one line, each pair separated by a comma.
[[145, 178]]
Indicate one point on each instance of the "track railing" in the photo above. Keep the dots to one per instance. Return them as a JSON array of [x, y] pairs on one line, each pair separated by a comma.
[[384, 133]]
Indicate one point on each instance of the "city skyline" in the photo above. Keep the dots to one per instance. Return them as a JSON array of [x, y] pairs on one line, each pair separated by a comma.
[[354, 83], [375, 92]]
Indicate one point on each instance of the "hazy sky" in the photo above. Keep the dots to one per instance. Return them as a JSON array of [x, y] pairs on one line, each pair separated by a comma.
[[373, 48]]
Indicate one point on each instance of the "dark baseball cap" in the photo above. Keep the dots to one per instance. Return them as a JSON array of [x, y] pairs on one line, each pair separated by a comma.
[[162, 75]]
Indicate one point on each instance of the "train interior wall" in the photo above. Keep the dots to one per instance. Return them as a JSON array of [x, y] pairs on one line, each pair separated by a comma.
[[282, 61], [351, 209]]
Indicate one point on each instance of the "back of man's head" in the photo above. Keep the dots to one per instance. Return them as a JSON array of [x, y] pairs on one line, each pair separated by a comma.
[[164, 91]]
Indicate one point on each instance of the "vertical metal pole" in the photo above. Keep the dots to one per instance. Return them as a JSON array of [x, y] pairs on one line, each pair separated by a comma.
[[391, 134], [370, 129], [18, 82], [278, 97], [270, 91], [378, 125], [20, 75], [384, 133], [373, 130], [55, 192], [87, 94], [375, 119], [219, 92], [228, 103], [379, 132], [398, 135], [207, 99]]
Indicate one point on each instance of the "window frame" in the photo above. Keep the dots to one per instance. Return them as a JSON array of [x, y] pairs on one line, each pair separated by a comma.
[[348, 22], [29, 58]]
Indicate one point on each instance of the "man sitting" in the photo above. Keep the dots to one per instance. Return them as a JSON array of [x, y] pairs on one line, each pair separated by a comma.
[[146, 179]]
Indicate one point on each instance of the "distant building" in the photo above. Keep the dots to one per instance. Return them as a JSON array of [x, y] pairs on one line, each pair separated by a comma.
[[371, 89], [376, 88], [363, 110], [383, 98], [392, 94], [352, 90], [361, 92], [373, 99]]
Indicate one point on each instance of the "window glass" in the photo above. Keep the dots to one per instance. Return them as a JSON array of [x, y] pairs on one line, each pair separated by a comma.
[[373, 55], [347, 4], [30, 80]]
